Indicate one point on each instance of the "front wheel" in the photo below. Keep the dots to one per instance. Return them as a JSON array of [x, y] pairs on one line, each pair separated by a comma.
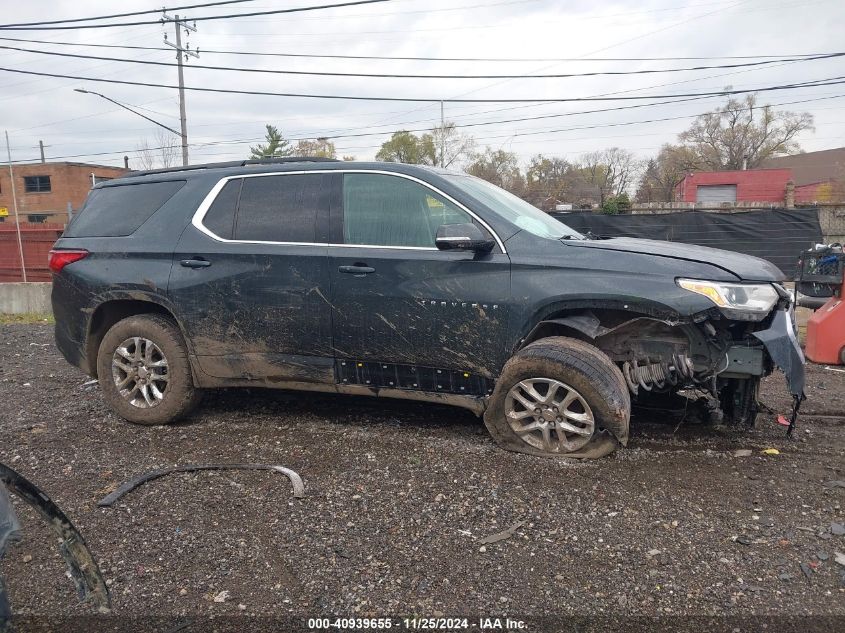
[[144, 372], [560, 397]]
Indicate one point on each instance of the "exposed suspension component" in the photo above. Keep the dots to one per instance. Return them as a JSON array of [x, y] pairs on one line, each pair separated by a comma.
[[649, 375]]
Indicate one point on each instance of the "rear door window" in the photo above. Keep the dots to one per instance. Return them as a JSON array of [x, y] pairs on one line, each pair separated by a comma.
[[220, 218], [119, 210], [282, 208]]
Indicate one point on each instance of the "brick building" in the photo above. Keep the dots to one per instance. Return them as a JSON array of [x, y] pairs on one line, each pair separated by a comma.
[[808, 178], [50, 192], [752, 185]]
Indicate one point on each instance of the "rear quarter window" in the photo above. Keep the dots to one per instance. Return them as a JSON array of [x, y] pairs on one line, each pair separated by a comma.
[[119, 210]]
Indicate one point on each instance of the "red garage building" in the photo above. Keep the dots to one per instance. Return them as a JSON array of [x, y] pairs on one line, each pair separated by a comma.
[[812, 177], [752, 185]]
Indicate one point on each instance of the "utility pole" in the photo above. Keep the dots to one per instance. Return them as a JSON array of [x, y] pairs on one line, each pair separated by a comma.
[[442, 136], [41, 145], [182, 54], [15, 205]]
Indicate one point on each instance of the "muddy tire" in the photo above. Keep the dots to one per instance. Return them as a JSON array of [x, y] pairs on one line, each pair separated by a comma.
[[560, 397], [144, 372]]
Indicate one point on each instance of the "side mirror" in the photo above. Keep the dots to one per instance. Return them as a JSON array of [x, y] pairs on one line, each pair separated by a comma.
[[462, 237]]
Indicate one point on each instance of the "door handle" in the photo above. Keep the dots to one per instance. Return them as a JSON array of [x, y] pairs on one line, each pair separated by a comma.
[[195, 263], [357, 270]]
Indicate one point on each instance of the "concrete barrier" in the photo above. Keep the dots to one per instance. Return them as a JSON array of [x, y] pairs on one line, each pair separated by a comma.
[[25, 298]]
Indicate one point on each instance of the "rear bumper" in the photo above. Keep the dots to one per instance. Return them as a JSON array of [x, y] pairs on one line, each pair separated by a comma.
[[72, 315]]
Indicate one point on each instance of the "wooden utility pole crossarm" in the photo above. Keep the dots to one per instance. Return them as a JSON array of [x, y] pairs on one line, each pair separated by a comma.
[[182, 54]]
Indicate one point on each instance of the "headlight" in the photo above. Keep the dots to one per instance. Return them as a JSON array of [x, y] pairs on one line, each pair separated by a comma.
[[752, 299]]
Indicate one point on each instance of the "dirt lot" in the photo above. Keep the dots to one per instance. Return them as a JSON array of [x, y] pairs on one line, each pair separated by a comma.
[[397, 495]]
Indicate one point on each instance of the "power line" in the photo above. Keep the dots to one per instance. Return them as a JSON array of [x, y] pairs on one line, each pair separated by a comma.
[[830, 81], [198, 19], [417, 76], [515, 134], [126, 15], [798, 56]]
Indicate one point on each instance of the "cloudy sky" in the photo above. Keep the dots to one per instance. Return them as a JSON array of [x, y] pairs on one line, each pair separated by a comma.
[[547, 36]]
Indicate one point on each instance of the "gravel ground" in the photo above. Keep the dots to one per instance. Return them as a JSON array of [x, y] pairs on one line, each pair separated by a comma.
[[397, 496]]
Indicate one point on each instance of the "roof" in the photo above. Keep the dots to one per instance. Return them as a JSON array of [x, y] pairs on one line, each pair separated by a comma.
[[812, 167], [58, 163], [281, 164]]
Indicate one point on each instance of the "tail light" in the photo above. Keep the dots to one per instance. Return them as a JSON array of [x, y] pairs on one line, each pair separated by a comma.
[[61, 258]]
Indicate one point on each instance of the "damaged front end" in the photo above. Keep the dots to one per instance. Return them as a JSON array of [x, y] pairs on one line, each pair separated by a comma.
[[718, 354]]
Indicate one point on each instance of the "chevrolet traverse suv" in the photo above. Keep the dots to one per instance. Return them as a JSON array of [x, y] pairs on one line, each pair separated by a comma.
[[408, 282]]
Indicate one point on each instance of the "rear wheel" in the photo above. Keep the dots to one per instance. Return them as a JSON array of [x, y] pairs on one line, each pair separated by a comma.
[[144, 373], [560, 397]]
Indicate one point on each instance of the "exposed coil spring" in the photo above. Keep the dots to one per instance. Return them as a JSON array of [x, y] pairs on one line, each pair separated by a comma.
[[650, 375]]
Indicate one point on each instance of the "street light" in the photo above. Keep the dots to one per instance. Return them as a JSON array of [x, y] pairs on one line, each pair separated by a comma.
[[143, 116]]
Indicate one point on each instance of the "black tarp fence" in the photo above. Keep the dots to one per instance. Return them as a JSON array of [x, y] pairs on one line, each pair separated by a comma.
[[778, 235]]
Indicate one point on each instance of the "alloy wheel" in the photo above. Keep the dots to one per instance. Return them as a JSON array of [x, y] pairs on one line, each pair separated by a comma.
[[549, 415], [139, 371]]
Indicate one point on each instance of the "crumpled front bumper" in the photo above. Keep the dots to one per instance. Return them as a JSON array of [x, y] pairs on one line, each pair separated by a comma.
[[781, 343]]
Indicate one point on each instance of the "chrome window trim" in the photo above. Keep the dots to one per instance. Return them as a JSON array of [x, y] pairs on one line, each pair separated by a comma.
[[205, 205]]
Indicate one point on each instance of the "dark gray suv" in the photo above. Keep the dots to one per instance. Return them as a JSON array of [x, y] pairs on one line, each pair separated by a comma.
[[406, 282]]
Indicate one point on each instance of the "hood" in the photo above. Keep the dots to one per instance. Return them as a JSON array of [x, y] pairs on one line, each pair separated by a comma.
[[744, 267]]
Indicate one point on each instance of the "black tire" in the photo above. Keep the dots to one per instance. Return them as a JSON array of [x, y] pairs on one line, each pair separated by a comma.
[[582, 368], [179, 396]]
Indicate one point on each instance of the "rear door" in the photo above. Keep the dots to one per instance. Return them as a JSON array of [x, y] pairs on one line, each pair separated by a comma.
[[405, 313], [250, 278]]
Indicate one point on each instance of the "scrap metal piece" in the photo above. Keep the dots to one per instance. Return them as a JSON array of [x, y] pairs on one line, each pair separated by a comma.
[[9, 533], [108, 500], [86, 576], [501, 536]]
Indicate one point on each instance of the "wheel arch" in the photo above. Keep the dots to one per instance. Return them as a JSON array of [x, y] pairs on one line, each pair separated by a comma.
[[586, 320], [109, 312]]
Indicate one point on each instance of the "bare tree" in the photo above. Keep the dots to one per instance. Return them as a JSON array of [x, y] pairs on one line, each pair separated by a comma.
[[743, 134], [452, 147], [319, 148], [663, 173], [612, 170], [498, 167], [163, 152]]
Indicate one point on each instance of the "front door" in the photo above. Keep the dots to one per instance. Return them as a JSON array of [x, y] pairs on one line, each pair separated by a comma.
[[250, 279], [406, 314]]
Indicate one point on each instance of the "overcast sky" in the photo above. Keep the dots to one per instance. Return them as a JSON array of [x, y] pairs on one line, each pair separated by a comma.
[[221, 126]]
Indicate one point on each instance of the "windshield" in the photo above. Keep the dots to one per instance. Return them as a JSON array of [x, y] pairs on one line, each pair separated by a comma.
[[514, 209]]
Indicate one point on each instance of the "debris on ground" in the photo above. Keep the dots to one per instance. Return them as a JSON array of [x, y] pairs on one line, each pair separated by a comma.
[[223, 596], [82, 568], [295, 479], [742, 452], [770, 451], [245, 532], [501, 536], [805, 569]]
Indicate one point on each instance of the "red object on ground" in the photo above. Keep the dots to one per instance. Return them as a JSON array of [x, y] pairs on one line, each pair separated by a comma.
[[826, 332]]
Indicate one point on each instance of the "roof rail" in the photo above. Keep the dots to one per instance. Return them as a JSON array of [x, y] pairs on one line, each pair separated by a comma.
[[236, 163]]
